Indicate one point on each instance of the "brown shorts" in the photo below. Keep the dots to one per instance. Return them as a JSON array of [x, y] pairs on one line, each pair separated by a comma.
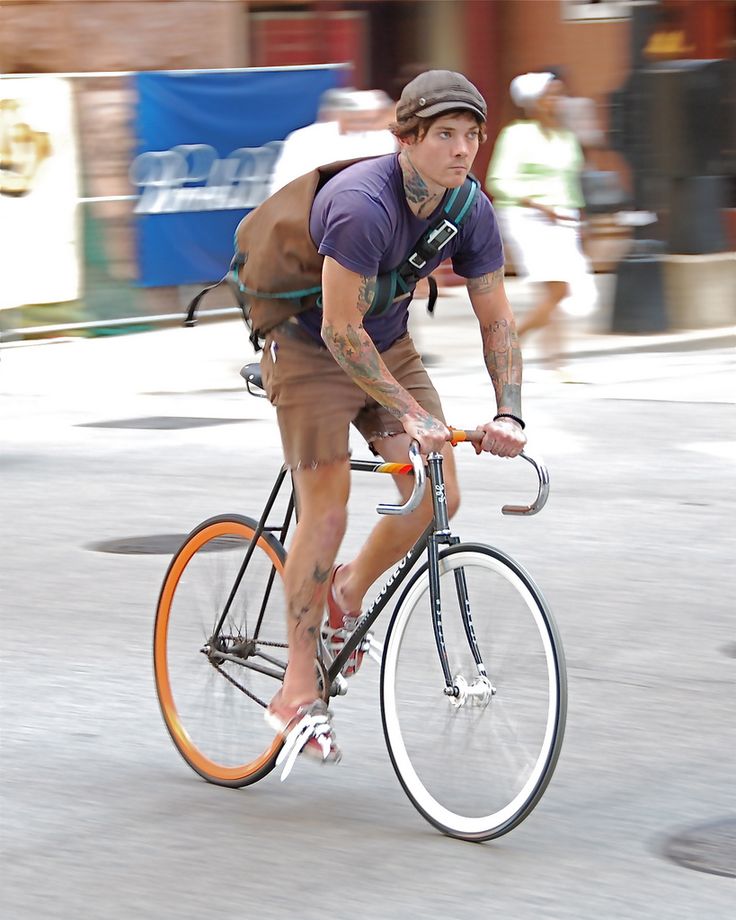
[[316, 401]]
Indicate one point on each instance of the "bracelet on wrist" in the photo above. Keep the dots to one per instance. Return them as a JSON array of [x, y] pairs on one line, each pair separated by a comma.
[[514, 418]]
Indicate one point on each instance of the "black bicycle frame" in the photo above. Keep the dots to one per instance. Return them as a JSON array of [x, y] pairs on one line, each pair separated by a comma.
[[262, 526], [436, 534]]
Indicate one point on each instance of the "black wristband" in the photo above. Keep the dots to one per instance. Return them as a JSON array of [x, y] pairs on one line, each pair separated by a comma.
[[514, 418]]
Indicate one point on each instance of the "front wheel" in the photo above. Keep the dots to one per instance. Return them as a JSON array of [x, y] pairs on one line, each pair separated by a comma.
[[476, 762], [220, 649]]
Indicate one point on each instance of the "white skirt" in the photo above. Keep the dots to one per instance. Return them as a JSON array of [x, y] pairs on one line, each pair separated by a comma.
[[545, 251], [541, 249]]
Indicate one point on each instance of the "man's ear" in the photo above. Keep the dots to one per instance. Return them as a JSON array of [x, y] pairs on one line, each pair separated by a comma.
[[408, 141]]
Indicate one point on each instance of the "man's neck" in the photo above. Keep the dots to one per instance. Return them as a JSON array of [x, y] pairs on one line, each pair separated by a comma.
[[422, 196]]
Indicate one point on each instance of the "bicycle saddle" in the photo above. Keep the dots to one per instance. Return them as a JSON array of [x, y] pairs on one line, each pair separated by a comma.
[[251, 373]]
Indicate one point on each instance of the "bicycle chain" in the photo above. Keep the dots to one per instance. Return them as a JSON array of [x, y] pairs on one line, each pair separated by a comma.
[[240, 687], [232, 680]]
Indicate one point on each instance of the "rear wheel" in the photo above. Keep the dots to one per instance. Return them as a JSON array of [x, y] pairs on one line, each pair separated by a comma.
[[475, 763], [214, 684]]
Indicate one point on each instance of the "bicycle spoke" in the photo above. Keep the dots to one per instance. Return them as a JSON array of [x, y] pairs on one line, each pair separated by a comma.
[[213, 704], [476, 763]]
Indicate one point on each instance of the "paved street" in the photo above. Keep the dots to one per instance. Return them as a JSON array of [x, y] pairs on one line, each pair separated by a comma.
[[100, 818]]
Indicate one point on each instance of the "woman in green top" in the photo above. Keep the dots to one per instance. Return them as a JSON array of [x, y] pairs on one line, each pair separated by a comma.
[[533, 178]]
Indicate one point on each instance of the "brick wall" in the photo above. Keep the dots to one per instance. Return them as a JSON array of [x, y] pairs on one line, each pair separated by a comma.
[[47, 36]]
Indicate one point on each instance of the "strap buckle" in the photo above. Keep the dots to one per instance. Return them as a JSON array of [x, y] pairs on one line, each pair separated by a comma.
[[442, 235], [437, 239]]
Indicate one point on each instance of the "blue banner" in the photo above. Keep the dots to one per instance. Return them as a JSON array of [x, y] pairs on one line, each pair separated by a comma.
[[206, 146]]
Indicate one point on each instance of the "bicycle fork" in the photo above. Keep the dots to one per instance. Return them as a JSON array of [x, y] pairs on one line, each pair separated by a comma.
[[478, 691]]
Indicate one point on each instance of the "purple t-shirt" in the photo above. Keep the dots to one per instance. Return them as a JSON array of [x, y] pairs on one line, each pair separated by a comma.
[[361, 218]]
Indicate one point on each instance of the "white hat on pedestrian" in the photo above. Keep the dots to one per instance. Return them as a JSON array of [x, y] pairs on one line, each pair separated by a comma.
[[527, 88]]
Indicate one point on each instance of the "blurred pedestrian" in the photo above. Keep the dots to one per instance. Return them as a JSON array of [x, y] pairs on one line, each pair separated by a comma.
[[579, 115], [534, 178], [350, 124]]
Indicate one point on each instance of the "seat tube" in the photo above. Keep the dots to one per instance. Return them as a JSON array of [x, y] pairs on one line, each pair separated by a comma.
[[257, 535]]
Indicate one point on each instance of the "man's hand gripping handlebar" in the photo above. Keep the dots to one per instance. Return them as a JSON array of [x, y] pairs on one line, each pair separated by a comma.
[[457, 436]]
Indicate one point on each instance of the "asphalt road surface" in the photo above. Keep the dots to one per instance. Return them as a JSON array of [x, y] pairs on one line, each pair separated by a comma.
[[102, 819]]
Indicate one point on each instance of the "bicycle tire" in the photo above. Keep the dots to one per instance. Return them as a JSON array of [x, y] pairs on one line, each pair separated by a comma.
[[218, 728], [513, 737]]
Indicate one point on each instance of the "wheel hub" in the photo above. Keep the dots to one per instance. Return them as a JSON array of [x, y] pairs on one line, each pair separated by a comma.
[[478, 693], [218, 646]]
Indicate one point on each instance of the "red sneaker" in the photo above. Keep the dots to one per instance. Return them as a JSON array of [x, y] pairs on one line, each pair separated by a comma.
[[338, 626]]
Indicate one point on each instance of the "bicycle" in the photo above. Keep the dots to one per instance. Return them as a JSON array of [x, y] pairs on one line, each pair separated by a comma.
[[472, 684]]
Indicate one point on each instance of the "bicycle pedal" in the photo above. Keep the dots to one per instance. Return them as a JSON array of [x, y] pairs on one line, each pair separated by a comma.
[[339, 686]]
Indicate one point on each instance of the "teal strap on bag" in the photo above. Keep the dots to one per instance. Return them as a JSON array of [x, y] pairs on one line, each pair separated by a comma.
[[384, 294], [284, 295], [390, 285]]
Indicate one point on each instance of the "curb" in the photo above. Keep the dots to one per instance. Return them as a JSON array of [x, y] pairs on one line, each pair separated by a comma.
[[583, 345], [691, 340]]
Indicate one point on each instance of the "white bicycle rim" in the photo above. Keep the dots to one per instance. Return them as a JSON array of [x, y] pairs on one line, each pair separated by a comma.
[[417, 600]]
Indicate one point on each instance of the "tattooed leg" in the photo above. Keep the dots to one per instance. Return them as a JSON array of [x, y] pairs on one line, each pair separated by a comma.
[[322, 495]]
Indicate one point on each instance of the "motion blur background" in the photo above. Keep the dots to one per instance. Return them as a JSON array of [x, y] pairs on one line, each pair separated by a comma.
[[659, 77], [133, 138]]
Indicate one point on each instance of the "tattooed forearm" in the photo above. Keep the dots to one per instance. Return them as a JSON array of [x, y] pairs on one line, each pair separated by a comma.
[[356, 354], [484, 284], [503, 360]]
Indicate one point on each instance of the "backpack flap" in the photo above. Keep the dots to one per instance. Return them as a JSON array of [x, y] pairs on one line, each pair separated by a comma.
[[281, 271]]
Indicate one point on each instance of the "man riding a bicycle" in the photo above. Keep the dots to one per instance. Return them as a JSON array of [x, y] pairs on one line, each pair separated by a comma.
[[339, 365]]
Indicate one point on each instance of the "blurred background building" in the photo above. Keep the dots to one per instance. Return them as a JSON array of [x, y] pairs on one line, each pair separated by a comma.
[[657, 133]]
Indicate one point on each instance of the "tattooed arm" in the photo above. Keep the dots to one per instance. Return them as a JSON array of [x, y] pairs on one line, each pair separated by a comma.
[[346, 298], [502, 356], [501, 350]]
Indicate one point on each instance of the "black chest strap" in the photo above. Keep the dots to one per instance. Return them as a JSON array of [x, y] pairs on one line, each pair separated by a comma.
[[443, 228]]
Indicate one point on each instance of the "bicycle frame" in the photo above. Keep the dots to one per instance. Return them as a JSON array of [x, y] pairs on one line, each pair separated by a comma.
[[281, 530], [436, 534]]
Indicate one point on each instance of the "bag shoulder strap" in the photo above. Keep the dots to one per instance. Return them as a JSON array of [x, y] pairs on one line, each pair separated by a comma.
[[444, 228], [439, 233], [402, 280]]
